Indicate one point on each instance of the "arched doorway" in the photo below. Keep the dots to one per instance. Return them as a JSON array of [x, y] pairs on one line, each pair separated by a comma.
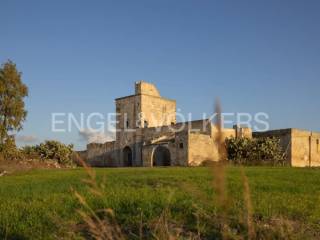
[[127, 157], [161, 156]]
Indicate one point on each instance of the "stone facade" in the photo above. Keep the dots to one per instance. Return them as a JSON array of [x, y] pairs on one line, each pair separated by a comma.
[[147, 134], [302, 147]]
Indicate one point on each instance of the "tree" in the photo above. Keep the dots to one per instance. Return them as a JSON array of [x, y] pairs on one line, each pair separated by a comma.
[[12, 94]]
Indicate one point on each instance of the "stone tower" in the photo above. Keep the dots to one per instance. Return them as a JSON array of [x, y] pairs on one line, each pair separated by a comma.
[[145, 109]]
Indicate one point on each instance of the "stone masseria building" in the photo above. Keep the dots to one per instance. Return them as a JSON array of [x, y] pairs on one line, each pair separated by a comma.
[[147, 134]]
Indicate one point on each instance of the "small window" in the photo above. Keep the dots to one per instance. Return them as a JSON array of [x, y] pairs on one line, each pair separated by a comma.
[[146, 124], [181, 145], [127, 124]]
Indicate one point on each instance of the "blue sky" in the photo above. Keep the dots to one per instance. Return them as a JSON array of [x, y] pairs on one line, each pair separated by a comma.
[[77, 56]]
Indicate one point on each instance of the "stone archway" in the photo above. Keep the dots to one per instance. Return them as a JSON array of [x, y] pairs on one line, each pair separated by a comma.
[[127, 157], [161, 156]]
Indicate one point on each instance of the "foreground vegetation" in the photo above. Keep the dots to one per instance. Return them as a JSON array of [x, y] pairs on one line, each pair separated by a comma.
[[41, 204]]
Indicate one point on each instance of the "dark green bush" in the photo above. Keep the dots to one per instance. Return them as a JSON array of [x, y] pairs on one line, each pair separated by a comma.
[[256, 151]]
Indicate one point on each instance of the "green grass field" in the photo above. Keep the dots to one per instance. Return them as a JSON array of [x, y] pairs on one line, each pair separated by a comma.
[[41, 205]]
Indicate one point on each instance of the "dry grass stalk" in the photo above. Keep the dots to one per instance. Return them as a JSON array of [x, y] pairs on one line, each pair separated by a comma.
[[219, 138], [141, 226], [162, 229], [248, 206], [100, 225], [218, 169]]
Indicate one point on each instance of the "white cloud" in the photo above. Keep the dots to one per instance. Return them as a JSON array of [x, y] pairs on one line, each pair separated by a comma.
[[96, 137], [26, 138]]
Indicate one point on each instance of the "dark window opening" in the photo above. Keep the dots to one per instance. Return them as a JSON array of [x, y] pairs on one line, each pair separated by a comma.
[[127, 124], [161, 156], [145, 123], [127, 157], [181, 145]]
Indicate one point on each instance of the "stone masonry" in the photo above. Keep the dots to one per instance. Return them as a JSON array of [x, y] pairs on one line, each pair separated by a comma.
[[147, 134], [301, 147]]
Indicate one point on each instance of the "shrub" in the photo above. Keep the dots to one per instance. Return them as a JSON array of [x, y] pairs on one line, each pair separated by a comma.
[[266, 151], [30, 152], [50, 150], [9, 150]]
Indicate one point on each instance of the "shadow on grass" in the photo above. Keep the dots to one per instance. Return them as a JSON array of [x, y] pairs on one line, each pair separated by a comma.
[[10, 236]]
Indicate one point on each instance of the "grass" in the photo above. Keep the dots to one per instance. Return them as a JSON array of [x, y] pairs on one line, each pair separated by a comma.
[[40, 204]]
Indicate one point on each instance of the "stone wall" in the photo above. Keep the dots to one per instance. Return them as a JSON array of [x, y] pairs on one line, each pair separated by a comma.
[[82, 154], [231, 132], [189, 143], [139, 112], [180, 148], [301, 147], [152, 119], [305, 148], [143, 87], [157, 111], [101, 155], [128, 109], [285, 140], [176, 142], [201, 148]]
